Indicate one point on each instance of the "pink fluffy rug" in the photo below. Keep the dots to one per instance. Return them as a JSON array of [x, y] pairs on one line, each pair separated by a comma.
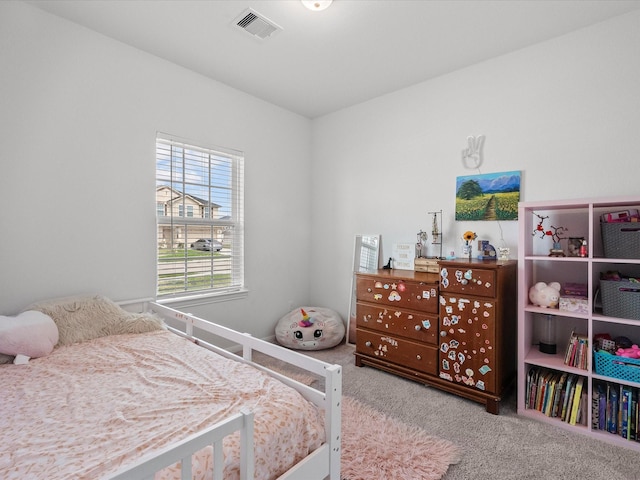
[[375, 446]]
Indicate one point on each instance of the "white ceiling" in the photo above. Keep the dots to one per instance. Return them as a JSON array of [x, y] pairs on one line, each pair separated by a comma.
[[325, 61]]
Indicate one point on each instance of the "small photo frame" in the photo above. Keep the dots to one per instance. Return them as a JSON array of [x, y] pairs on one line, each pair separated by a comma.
[[574, 246]]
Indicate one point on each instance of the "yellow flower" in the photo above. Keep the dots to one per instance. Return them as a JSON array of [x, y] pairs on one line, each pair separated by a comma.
[[469, 235]]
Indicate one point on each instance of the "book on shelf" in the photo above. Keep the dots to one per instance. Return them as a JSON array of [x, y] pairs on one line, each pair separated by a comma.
[[577, 353], [637, 420], [548, 393], [595, 407], [618, 410], [582, 410], [567, 396], [633, 416], [558, 395], [612, 409], [625, 412], [532, 380], [553, 393], [584, 419], [577, 396], [595, 410], [602, 407], [543, 381], [538, 390]]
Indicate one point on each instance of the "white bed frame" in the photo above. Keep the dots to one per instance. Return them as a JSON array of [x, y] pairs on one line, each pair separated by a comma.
[[323, 463]]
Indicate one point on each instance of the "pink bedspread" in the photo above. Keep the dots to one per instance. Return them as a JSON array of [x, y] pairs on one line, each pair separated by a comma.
[[87, 409]]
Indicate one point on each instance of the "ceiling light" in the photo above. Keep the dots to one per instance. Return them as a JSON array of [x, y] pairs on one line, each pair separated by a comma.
[[316, 5]]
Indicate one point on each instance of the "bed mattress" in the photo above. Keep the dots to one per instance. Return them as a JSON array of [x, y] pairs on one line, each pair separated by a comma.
[[90, 408]]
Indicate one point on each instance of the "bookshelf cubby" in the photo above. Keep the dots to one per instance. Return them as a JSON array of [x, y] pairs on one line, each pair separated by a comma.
[[579, 219]]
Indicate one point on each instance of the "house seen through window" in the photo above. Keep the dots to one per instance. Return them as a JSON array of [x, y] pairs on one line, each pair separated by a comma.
[[200, 220]]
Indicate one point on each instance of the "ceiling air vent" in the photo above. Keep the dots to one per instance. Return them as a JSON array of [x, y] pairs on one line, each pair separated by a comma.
[[257, 25]]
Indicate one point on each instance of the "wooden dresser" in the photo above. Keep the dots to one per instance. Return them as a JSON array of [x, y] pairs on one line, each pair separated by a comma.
[[397, 321], [455, 330]]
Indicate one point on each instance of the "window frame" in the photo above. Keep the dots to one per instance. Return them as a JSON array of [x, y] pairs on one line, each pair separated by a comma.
[[178, 222]]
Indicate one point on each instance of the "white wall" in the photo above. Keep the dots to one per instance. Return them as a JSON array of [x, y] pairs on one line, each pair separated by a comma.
[[566, 113], [78, 120]]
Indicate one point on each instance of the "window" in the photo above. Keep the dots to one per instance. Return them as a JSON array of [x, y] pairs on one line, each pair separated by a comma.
[[200, 252]]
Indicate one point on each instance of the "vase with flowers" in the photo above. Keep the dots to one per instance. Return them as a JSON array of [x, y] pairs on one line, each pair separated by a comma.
[[467, 247]]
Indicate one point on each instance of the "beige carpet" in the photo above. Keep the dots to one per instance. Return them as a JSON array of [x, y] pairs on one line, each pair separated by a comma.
[[504, 447], [377, 447]]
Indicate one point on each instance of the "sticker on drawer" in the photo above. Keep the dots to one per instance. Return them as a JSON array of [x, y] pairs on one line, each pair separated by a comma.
[[391, 341], [427, 294], [394, 296]]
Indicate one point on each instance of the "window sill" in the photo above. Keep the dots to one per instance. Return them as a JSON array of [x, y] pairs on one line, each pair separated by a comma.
[[203, 298]]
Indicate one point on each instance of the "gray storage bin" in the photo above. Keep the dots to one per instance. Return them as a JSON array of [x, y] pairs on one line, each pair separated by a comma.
[[620, 298], [621, 240]]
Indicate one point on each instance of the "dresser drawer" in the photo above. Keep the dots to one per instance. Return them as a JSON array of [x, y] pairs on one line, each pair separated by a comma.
[[407, 353], [419, 326], [398, 293], [465, 279], [468, 355]]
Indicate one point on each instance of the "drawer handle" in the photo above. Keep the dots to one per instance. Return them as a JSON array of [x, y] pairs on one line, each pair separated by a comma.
[[368, 344], [417, 327], [418, 357], [369, 290]]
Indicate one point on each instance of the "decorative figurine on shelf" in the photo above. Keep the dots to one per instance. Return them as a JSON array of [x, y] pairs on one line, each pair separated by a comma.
[[574, 245], [555, 233], [388, 265], [487, 251], [584, 251], [543, 295], [468, 238]]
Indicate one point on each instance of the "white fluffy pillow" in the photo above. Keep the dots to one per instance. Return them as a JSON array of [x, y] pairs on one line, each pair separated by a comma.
[[32, 334], [86, 317]]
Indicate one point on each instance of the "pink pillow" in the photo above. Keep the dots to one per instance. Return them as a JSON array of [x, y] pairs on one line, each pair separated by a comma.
[[32, 334]]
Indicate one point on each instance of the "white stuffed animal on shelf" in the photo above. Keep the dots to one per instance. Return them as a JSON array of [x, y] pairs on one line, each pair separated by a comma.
[[545, 295]]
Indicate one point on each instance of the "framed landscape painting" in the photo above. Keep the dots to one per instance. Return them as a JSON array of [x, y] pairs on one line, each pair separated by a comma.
[[490, 196]]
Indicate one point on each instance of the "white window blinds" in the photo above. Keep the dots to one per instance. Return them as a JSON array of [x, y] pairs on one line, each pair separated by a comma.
[[200, 219]]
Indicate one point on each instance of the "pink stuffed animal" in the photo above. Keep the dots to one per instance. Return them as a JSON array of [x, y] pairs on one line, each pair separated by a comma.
[[633, 352], [31, 334]]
